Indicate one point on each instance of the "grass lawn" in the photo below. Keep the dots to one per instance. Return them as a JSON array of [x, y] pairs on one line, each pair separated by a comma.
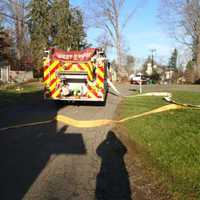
[[171, 141], [11, 95]]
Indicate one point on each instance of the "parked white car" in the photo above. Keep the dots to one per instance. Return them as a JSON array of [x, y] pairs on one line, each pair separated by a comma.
[[136, 79]]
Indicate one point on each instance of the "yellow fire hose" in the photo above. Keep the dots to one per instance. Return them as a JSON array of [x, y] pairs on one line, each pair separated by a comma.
[[103, 122]]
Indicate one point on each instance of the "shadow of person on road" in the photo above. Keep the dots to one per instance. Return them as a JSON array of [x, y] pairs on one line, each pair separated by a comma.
[[112, 181]]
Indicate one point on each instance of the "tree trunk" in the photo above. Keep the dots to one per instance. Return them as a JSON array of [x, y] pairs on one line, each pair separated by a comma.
[[118, 49], [197, 67]]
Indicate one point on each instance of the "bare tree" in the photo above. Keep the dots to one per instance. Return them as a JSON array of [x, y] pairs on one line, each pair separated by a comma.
[[108, 16], [130, 63], [104, 41], [14, 12], [182, 17]]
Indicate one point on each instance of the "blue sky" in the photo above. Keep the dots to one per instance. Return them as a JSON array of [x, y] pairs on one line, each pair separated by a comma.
[[144, 31]]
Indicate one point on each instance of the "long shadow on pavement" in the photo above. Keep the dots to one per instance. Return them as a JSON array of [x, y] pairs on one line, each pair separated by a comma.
[[25, 152], [113, 180]]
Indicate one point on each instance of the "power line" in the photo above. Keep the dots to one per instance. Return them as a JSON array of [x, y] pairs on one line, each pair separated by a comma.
[[6, 15]]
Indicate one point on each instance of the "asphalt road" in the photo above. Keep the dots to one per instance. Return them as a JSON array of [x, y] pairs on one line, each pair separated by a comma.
[[57, 162]]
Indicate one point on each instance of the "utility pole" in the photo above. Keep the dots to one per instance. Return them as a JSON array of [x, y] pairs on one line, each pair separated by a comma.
[[152, 56]]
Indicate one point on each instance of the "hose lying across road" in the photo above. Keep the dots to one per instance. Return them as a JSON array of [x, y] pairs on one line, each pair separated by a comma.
[[103, 122]]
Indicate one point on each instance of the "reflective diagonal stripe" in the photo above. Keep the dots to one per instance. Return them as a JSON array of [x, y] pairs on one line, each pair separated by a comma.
[[53, 84], [101, 69], [46, 74], [100, 77], [51, 69], [53, 65], [47, 79], [100, 83], [74, 68], [80, 67], [54, 80], [67, 66], [100, 72], [92, 93], [45, 68], [46, 71], [89, 71], [56, 93], [90, 65]]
